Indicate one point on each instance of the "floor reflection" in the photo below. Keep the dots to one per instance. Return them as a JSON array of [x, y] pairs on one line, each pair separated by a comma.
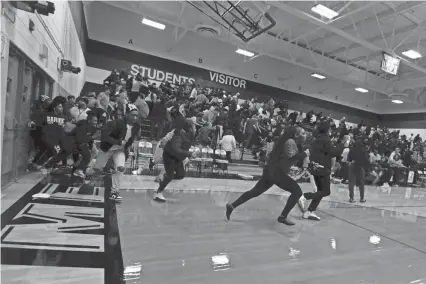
[[180, 241]]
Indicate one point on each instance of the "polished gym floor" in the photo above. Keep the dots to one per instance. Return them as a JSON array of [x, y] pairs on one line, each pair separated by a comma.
[[75, 235]]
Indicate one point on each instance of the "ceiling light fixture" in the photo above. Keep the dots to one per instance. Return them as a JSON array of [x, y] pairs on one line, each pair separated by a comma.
[[397, 102], [361, 90], [244, 52], [153, 24], [412, 54], [324, 11], [318, 76]]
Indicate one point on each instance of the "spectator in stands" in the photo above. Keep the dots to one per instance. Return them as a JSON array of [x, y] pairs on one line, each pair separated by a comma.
[[229, 144], [158, 117], [70, 103], [79, 112]]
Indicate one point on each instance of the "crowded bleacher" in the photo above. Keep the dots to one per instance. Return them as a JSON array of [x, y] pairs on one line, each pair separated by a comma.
[[224, 121]]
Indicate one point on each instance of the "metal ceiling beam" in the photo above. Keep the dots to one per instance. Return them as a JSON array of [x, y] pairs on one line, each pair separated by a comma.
[[375, 38], [344, 16], [327, 66], [400, 9], [304, 16], [410, 83]]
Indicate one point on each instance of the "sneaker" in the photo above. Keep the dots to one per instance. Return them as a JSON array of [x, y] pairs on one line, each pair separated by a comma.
[[352, 200], [363, 200], [301, 203], [159, 197], [45, 171], [115, 196], [79, 173], [311, 216], [285, 221], [385, 186], [139, 171], [229, 210]]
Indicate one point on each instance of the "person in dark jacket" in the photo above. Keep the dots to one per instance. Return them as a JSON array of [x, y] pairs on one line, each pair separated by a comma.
[[52, 124], [322, 152], [284, 154], [158, 119], [175, 152], [85, 133], [117, 138], [35, 126], [359, 164], [78, 142]]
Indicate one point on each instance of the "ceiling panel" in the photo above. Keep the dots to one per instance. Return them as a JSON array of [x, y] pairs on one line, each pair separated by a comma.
[[356, 38]]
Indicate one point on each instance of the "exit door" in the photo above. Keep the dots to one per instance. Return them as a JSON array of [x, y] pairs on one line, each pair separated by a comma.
[[16, 140], [11, 121]]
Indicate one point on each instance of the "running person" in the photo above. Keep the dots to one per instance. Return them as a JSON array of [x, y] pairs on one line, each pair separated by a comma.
[[175, 152], [117, 137], [276, 172], [322, 152]]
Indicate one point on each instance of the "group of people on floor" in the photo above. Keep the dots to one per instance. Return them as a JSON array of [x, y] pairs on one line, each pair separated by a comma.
[[65, 127]]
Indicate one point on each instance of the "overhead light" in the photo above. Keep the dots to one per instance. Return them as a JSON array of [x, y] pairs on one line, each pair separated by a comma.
[[397, 102], [324, 11], [412, 54], [318, 76], [361, 90], [153, 24], [244, 52]]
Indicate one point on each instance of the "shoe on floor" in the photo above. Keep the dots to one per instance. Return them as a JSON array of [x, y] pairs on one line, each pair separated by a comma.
[[45, 171], [385, 186], [159, 197], [301, 203], [285, 221], [311, 216], [115, 196], [363, 200], [352, 200], [79, 173], [229, 210]]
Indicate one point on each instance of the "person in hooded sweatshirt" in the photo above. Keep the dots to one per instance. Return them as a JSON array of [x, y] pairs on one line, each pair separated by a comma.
[[175, 152], [52, 123], [322, 152], [276, 172], [35, 125], [117, 137]]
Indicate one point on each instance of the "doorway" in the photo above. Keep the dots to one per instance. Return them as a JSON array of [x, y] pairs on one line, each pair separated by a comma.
[[21, 94]]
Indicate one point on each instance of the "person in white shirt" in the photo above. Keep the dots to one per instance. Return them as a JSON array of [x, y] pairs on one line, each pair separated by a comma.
[[79, 112], [194, 93], [396, 152], [229, 144]]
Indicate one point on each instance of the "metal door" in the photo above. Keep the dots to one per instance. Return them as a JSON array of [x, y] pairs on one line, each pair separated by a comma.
[[23, 117], [12, 126]]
